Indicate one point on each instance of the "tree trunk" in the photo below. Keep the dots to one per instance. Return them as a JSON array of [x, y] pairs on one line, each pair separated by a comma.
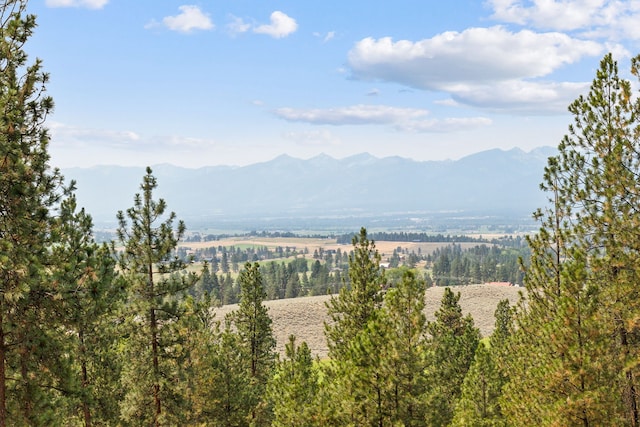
[[3, 383], [156, 368], [85, 381], [153, 325], [27, 404], [630, 392]]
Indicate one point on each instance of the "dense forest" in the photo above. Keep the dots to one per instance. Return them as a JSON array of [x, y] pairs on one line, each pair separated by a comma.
[[122, 333], [288, 273]]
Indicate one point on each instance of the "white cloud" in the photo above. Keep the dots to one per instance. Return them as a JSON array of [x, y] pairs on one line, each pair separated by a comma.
[[476, 63], [237, 25], [189, 19], [446, 102], [325, 37], [549, 14], [89, 4], [606, 18], [353, 115], [476, 54], [518, 96], [71, 136], [404, 119], [281, 26], [75, 136]]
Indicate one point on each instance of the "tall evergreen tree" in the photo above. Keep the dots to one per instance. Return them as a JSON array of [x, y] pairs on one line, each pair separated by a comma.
[[255, 341], [386, 369], [198, 335], [28, 192], [355, 383], [450, 352], [582, 313], [293, 386], [479, 403], [356, 303], [404, 308], [90, 298], [157, 284], [479, 398]]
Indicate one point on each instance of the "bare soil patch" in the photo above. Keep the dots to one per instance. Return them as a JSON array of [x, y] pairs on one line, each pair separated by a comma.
[[305, 317]]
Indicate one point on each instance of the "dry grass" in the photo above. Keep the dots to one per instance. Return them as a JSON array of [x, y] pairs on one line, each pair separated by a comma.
[[304, 317], [300, 243]]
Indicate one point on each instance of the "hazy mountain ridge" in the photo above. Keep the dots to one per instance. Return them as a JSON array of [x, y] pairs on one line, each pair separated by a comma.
[[488, 182]]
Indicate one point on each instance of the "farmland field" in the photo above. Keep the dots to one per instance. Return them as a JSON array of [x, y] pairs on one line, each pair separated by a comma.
[[300, 243]]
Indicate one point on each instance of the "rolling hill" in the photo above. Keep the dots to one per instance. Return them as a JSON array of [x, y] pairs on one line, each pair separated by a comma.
[[304, 317]]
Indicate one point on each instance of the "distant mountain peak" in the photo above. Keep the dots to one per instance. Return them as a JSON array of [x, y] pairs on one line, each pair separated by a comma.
[[322, 156], [494, 180]]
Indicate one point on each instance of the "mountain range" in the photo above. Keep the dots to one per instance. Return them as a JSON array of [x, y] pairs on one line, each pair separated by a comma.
[[489, 183]]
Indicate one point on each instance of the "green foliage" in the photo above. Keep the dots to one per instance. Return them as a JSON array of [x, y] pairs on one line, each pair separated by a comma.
[[157, 284], [481, 389], [479, 403], [378, 376], [32, 371], [293, 387], [352, 336], [451, 349], [90, 301], [255, 343], [452, 265], [352, 309], [196, 358], [225, 385], [407, 346], [581, 320]]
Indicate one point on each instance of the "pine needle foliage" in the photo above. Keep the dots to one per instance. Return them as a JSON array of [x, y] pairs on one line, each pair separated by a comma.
[[157, 285], [576, 349]]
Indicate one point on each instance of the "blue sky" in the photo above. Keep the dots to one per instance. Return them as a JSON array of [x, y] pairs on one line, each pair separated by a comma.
[[235, 82]]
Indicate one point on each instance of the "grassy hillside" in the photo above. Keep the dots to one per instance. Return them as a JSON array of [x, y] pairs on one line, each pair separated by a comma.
[[304, 317]]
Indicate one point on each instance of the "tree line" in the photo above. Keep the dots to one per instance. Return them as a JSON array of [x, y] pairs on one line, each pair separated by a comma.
[[404, 236], [453, 265], [110, 334], [326, 272]]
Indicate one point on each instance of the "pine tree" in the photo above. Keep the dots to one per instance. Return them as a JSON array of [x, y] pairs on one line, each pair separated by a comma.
[[157, 284], [227, 390], [255, 341], [385, 371], [479, 403], [404, 308], [28, 192], [293, 286], [355, 305], [602, 159], [581, 318], [198, 335], [293, 386], [355, 382], [450, 352], [479, 400], [90, 298]]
